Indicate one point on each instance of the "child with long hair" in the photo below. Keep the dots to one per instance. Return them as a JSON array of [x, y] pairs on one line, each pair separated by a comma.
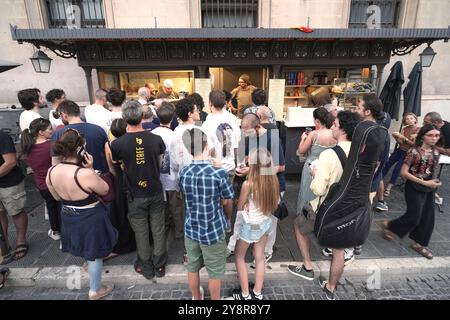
[[258, 200], [419, 169], [405, 141]]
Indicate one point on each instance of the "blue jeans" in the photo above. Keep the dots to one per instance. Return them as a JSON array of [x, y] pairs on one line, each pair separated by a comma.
[[252, 233], [396, 157], [95, 274]]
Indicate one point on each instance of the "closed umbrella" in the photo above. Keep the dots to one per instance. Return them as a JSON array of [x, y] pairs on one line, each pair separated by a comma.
[[392, 90], [413, 91], [7, 65]]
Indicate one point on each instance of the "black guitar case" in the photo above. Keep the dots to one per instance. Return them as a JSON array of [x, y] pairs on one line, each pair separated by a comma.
[[344, 217]]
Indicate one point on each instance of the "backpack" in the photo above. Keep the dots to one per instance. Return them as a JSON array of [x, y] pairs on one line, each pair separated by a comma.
[[344, 218]]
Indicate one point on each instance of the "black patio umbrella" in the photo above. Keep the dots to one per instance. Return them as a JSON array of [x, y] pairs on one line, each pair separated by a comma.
[[7, 65], [392, 90], [413, 91]]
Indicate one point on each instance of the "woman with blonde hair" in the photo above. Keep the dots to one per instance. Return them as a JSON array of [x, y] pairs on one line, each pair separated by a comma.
[[259, 198]]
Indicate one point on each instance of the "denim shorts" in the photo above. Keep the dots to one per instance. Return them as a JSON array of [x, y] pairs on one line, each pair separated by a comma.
[[251, 233]]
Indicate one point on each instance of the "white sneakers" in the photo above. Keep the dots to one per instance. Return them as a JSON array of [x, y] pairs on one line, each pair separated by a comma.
[[101, 293], [54, 235], [267, 257], [202, 294]]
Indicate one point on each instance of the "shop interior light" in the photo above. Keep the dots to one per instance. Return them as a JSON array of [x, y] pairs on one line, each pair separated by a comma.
[[41, 62], [427, 56]]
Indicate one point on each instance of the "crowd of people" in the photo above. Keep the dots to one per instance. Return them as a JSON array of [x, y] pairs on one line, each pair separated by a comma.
[[131, 175]]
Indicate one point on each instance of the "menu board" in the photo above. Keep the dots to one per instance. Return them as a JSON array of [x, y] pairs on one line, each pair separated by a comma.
[[203, 88], [276, 97]]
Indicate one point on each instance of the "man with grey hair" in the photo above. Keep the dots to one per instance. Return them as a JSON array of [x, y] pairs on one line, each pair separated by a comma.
[[141, 152], [265, 115], [98, 113], [144, 95], [167, 91], [332, 109], [443, 145]]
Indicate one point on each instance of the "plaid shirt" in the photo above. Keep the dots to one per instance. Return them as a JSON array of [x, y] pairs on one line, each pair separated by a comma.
[[204, 186]]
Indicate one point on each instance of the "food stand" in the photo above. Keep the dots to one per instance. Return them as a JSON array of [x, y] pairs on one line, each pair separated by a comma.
[[317, 58]]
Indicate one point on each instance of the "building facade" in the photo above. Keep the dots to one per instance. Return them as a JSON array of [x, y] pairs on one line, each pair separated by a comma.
[[267, 14]]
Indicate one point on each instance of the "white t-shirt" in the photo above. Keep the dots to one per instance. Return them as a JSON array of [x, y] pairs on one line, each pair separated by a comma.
[[179, 155], [54, 122], [114, 115], [97, 114], [168, 176], [222, 126], [26, 117]]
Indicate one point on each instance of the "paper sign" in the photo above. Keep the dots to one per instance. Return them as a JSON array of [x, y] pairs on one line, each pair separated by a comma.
[[276, 97], [203, 88]]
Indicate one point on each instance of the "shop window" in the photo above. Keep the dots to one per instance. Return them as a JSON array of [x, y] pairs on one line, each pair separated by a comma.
[[389, 13], [75, 13], [230, 13]]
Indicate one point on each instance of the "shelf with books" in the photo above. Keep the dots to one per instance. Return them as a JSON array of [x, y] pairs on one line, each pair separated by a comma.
[[312, 85]]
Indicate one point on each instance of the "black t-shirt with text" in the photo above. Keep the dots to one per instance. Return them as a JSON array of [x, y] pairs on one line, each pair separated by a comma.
[[15, 176], [140, 152]]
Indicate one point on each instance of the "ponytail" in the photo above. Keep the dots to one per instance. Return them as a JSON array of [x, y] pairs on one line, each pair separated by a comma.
[[29, 136], [27, 141], [323, 116]]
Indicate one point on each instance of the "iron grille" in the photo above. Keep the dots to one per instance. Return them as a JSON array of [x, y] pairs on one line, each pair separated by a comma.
[[91, 13], [229, 13], [389, 13]]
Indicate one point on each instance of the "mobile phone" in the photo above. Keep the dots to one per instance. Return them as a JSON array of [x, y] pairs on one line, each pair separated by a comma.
[[308, 130], [81, 153]]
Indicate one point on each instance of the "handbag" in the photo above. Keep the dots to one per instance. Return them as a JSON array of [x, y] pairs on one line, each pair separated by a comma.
[[282, 211], [109, 179]]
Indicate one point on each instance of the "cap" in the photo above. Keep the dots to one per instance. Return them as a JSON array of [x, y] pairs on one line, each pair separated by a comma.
[[168, 83]]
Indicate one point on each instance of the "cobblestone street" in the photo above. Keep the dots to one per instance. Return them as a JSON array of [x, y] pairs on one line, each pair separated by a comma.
[[429, 287]]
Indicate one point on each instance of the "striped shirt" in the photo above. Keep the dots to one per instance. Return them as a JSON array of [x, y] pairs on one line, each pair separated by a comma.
[[204, 186]]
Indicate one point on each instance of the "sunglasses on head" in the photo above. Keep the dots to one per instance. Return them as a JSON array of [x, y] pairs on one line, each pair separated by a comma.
[[56, 114], [73, 130]]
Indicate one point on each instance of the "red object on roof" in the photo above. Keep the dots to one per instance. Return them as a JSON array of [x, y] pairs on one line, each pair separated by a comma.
[[304, 29]]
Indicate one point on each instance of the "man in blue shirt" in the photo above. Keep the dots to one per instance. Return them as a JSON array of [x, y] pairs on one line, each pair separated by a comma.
[[207, 194], [95, 136]]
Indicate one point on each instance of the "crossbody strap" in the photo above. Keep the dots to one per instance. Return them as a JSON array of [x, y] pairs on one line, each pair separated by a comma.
[[341, 155]]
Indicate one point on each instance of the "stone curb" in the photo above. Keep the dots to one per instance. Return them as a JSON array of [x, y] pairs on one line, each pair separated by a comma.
[[74, 276]]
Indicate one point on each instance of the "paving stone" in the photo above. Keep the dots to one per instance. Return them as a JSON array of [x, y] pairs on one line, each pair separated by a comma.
[[45, 253]]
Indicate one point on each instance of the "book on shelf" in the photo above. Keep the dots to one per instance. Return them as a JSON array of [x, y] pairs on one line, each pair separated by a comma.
[[295, 78]]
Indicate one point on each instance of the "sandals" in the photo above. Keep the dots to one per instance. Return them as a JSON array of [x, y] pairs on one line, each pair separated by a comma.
[[4, 273], [423, 251], [21, 251], [8, 257], [387, 234]]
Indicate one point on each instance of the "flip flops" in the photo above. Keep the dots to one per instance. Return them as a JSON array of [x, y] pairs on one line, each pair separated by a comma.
[[4, 273], [387, 234], [422, 251], [21, 251], [8, 257]]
